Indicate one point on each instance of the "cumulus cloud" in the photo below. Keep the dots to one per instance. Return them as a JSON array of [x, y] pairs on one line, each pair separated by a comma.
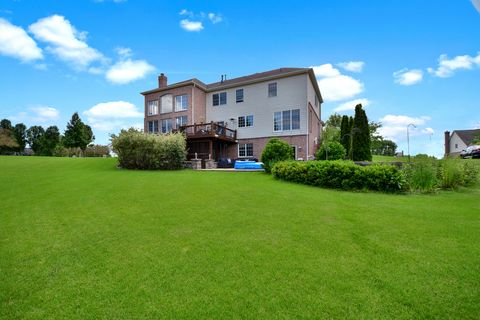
[[37, 114], [128, 70], [215, 17], [65, 41], [350, 105], [447, 67], [16, 43], [394, 127], [407, 77], [190, 26], [334, 85], [112, 115], [352, 66], [123, 52]]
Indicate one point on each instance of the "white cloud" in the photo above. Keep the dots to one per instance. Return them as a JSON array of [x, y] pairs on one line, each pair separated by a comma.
[[191, 25], [185, 12], [128, 70], [476, 4], [65, 41], [352, 66], [16, 43], [123, 52], [350, 105], [447, 67], [37, 114], [334, 85], [407, 77], [394, 127], [107, 116], [215, 17]]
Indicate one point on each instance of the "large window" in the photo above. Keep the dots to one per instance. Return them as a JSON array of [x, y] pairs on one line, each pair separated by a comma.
[[219, 98], [152, 107], [181, 102], [180, 121], [167, 126], [239, 95], [245, 121], [166, 103], [245, 150], [286, 120], [153, 126], [272, 89]]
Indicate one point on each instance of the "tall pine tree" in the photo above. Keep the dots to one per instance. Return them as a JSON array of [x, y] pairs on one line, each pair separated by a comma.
[[77, 134], [361, 142]]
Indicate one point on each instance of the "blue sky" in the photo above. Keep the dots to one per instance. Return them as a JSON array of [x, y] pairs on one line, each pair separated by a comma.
[[407, 61]]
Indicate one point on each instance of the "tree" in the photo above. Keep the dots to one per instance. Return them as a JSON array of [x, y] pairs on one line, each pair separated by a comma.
[[331, 130], [334, 120], [50, 140], [476, 139], [7, 141], [78, 134], [361, 142], [384, 147], [35, 138], [331, 151], [275, 150], [345, 134], [20, 134], [6, 124]]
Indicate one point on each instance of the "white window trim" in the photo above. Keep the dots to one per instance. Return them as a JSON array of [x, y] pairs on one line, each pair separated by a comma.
[[245, 121], [291, 120], [161, 104], [177, 109], [148, 107], [245, 156]]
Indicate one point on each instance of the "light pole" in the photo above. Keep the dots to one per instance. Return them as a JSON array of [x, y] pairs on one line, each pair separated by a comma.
[[408, 139]]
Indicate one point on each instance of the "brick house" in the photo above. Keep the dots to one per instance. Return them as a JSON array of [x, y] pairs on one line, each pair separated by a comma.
[[235, 118]]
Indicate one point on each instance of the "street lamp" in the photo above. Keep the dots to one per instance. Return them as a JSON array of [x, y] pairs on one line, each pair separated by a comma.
[[408, 139]]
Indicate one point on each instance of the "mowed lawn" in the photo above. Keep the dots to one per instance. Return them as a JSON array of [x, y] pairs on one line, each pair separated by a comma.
[[81, 239]]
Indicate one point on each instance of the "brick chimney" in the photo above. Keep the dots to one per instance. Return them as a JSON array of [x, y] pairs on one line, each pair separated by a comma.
[[447, 143], [162, 80]]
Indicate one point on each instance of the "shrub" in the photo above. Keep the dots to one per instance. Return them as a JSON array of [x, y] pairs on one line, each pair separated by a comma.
[[97, 150], [471, 171], [331, 151], [343, 175], [275, 150], [422, 174], [138, 150], [451, 173]]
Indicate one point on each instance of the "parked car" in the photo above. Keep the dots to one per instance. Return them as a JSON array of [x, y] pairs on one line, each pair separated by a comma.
[[470, 152]]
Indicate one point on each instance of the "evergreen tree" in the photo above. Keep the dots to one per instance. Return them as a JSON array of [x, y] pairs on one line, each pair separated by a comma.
[[345, 136], [50, 140], [78, 134], [6, 124], [361, 142], [35, 138], [20, 134]]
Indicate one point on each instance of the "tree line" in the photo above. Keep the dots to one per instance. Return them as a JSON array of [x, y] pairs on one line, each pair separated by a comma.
[[354, 137], [45, 142]]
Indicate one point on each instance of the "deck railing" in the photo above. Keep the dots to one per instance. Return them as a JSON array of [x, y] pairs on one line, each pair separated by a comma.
[[209, 130]]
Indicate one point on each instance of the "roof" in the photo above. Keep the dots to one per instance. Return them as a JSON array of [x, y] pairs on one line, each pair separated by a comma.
[[467, 136], [252, 78]]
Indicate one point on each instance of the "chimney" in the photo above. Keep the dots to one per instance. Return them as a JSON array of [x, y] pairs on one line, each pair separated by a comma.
[[162, 80], [447, 143]]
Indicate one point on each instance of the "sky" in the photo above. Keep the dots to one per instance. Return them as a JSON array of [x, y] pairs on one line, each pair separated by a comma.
[[408, 62]]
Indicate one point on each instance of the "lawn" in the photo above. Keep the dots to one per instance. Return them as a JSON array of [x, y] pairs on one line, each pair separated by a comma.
[[81, 239]]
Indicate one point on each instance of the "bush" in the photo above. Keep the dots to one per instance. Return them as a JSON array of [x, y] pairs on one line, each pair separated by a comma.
[[422, 174], [275, 150], [138, 150], [471, 170], [343, 175], [97, 150], [451, 173], [331, 151]]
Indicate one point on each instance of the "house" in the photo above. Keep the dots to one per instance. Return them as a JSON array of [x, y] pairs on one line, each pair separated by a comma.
[[459, 140], [235, 118]]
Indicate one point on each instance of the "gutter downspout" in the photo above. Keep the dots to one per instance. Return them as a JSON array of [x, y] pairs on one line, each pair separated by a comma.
[[193, 103]]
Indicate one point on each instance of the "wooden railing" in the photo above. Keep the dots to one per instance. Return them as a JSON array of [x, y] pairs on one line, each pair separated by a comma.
[[209, 130]]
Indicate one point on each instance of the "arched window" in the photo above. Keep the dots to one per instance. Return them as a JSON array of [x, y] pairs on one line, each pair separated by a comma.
[[166, 103]]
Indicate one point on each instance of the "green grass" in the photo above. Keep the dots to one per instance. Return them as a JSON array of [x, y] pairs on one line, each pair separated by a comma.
[[80, 239]]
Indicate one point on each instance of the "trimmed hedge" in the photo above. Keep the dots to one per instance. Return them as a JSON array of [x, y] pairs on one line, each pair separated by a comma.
[[343, 175], [138, 150]]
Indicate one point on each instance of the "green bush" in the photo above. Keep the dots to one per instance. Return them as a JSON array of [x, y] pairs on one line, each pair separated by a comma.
[[138, 150], [275, 150], [451, 173], [471, 169], [331, 151], [343, 175], [422, 174]]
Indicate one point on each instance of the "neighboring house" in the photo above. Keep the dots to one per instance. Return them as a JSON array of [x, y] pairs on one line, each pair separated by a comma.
[[459, 140], [235, 118]]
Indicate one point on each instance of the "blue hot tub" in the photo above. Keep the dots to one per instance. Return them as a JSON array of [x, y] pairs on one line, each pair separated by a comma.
[[248, 165]]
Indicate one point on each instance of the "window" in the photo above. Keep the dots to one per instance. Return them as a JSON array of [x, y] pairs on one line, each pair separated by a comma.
[[245, 150], [277, 121], [167, 126], [239, 95], [316, 101], [180, 121], [286, 120], [245, 121], [181, 102], [152, 107], [153, 126], [456, 145], [167, 103], [272, 89], [219, 98]]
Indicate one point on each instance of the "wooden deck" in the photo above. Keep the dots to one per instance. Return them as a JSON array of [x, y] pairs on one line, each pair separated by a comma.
[[209, 131]]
